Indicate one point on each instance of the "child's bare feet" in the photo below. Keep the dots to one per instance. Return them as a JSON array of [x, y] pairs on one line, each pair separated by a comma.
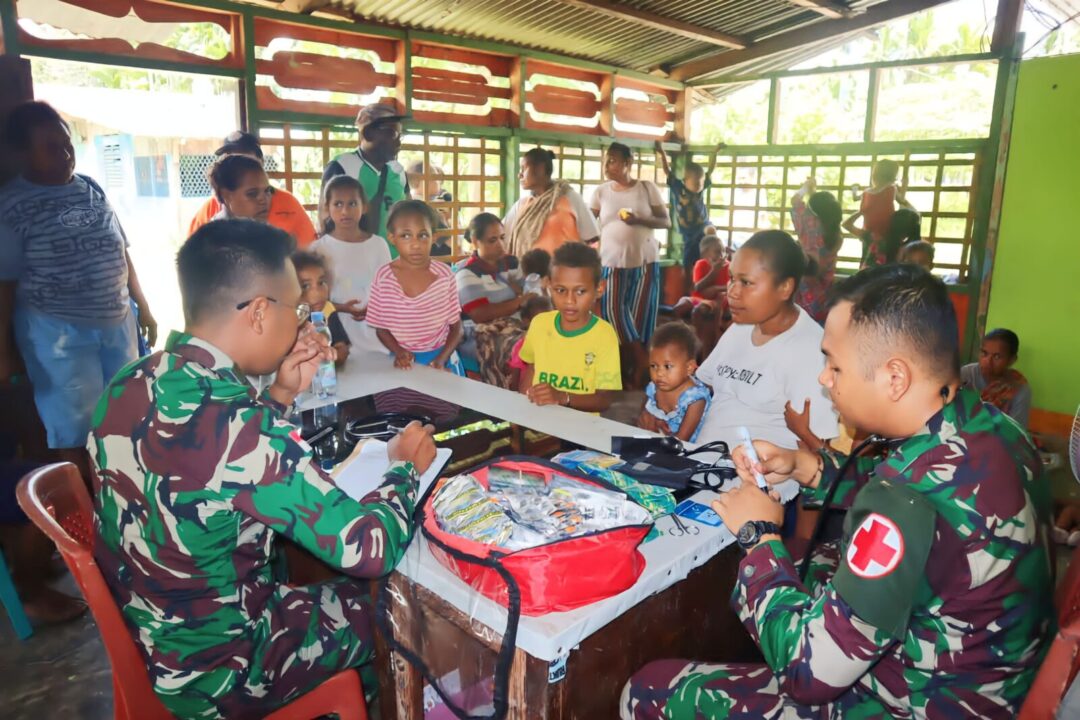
[[50, 606]]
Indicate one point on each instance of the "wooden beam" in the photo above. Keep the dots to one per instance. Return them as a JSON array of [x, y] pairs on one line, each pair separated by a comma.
[[304, 7], [1006, 24], [816, 32], [660, 22], [829, 9]]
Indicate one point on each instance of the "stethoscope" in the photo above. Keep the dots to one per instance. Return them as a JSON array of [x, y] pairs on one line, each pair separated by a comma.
[[830, 495]]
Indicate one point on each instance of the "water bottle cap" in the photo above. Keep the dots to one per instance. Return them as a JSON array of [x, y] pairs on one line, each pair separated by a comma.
[[317, 316]]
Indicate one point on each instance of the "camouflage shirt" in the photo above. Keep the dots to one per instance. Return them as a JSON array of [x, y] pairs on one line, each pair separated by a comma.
[[195, 476], [942, 599]]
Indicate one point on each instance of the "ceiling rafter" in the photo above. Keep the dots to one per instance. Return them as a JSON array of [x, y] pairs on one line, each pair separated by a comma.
[[304, 7], [828, 8], [661, 22], [817, 32]]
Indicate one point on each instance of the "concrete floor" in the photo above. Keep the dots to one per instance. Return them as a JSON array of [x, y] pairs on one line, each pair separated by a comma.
[[59, 672], [63, 671]]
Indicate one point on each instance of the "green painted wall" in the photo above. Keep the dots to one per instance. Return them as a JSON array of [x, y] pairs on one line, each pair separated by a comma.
[[1035, 289]]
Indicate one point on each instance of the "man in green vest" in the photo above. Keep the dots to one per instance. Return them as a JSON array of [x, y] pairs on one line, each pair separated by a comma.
[[374, 163]]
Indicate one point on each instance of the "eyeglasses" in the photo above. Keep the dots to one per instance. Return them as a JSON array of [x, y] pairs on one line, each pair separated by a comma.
[[303, 310]]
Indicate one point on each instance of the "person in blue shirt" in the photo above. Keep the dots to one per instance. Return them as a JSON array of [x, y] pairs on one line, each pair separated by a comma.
[[66, 282], [688, 198]]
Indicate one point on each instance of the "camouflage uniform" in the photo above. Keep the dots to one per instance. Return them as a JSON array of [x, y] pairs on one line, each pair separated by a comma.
[[196, 475], [939, 606]]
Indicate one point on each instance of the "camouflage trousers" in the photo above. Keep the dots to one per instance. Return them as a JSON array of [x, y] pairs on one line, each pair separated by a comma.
[[305, 635], [681, 690], [684, 690]]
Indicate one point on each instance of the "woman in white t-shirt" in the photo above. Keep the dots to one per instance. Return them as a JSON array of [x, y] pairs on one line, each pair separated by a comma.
[[771, 355], [629, 210], [354, 255]]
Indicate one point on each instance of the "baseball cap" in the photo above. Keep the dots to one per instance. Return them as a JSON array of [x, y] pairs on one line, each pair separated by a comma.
[[377, 113], [241, 142]]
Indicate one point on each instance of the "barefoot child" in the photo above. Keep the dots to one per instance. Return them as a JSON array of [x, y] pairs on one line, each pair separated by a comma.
[[414, 305], [314, 281], [353, 255], [676, 400], [572, 355], [688, 198]]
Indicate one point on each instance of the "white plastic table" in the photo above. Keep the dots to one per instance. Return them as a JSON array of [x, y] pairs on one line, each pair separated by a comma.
[[553, 637]]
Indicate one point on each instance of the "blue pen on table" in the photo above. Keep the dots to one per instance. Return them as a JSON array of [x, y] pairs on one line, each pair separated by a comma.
[[748, 444]]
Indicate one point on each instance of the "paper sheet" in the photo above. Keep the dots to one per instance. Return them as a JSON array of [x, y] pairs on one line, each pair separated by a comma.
[[364, 472]]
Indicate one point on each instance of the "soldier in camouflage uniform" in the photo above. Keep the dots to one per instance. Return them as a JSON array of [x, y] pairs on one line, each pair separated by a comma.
[[940, 604], [196, 475]]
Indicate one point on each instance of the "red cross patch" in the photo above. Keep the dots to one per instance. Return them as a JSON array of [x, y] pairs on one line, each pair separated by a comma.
[[876, 548]]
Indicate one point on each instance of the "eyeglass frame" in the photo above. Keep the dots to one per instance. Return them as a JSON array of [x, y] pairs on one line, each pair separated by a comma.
[[303, 310]]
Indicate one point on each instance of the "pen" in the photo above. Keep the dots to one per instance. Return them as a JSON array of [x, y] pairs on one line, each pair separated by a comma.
[[748, 444]]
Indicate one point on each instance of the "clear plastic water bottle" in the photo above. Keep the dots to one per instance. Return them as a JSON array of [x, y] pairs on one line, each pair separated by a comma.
[[324, 384], [532, 284]]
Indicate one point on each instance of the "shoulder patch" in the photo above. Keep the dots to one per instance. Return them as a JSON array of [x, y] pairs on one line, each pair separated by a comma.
[[876, 548]]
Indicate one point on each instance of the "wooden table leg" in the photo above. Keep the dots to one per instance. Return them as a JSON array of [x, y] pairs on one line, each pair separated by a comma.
[[401, 686]]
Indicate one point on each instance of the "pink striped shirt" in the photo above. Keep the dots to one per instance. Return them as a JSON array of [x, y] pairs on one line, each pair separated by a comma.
[[418, 323]]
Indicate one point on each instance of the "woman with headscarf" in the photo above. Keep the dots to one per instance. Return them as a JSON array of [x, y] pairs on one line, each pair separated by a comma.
[[629, 210], [490, 290], [549, 212]]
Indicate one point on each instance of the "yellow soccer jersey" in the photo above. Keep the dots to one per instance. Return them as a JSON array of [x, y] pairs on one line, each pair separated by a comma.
[[578, 361]]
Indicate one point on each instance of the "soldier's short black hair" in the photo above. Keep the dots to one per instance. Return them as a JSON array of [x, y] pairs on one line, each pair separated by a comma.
[[222, 260], [1011, 339], [677, 334], [578, 255], [894, 304]]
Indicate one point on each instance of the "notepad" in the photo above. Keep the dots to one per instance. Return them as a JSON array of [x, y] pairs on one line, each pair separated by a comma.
[[364, 472]]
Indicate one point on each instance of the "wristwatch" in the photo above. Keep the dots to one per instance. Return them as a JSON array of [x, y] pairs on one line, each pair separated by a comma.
[[751, 532]]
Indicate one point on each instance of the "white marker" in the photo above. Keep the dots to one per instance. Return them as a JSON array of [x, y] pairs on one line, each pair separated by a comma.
[[748, 445]]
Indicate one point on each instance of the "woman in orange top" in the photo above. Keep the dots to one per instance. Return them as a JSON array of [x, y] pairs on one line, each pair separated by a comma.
[[285, 212], [550, 212]]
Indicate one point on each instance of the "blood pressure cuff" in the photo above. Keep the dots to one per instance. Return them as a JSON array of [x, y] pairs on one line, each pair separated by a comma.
[[887, 539]]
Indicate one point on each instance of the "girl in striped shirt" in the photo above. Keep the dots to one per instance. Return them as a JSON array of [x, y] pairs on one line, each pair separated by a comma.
[[414, 304]]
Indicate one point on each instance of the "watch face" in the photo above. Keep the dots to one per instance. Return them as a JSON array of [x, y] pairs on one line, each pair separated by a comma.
[[747, 534]]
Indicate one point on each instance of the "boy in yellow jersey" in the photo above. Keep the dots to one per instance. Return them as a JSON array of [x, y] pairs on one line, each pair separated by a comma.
[[572, 355]]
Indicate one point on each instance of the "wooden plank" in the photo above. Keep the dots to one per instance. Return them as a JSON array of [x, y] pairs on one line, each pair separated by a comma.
[[539, 67], [310, 71], [826, 8], [268, 101], [1006, 24], [499, 65], [452, 82], [641, 112], [555, 100], [120, 47], [661, 22], [824, 30], [267, 30]]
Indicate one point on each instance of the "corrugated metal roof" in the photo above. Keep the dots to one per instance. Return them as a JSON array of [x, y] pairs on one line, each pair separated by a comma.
[[586, 33]]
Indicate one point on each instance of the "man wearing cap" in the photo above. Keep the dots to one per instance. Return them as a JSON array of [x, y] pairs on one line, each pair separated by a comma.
[[286, 212], [374, 163]]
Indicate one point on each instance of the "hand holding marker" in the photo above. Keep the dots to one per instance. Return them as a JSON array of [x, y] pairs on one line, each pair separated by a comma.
[[748, 445]]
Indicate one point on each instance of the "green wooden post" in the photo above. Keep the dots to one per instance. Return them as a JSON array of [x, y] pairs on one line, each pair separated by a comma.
[[873, 86], [10, 22], [774, 111], [991, 192], [251, 106]]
